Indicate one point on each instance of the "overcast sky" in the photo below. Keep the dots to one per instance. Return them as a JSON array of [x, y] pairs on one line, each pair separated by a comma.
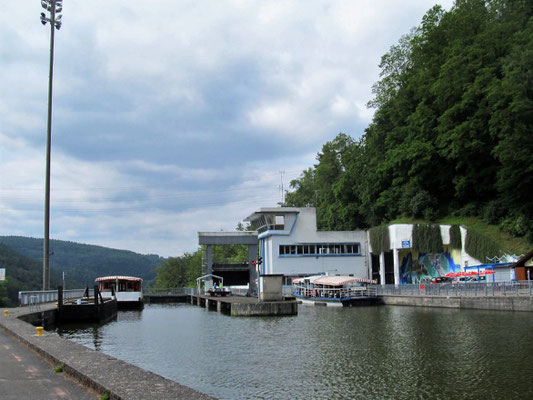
[[172, 117]]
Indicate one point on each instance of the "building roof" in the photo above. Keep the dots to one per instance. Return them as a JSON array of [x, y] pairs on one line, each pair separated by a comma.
[[225, 238], [522, 262], [272, 210]]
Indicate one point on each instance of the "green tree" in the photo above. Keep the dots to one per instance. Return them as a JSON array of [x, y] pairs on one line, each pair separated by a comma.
[[304, 191], [451, 131], [4, 300], [179, 271]]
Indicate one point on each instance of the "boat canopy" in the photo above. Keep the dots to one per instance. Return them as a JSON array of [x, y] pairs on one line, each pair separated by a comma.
[[311, 279], [120, 278], [333, 280]]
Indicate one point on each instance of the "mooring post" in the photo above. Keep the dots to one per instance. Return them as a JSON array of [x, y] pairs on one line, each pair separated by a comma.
[[59, 299], [96, 293]]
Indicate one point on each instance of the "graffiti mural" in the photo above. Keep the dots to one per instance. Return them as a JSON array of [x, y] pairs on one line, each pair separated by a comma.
[[424, 266]]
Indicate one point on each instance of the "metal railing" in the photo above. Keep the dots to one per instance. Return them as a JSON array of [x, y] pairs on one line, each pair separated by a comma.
[[169, 291], [32, 298], [469, 289]]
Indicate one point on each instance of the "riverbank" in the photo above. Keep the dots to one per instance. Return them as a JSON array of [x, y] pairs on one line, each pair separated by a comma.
[[494, 303], [95, 370]]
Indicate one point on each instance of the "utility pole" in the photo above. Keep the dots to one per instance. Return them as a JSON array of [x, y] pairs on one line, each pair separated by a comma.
[[54, 7], [281, 173]]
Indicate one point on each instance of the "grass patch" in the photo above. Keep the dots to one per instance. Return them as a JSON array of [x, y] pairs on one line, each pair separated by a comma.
[[105, 396], [59, 368]]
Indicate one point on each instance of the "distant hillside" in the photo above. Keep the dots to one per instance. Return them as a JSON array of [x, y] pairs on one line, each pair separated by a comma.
[[82, 262], [23, 273]]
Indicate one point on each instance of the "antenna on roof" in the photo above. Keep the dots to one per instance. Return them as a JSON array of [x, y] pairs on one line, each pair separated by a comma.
[[281, 173]]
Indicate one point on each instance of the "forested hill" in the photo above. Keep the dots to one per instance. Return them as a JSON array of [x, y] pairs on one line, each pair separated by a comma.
[[83, 263], [452, 132], [22, 273]]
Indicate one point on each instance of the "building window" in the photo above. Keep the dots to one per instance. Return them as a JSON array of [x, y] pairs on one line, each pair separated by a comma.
[[320, 249]]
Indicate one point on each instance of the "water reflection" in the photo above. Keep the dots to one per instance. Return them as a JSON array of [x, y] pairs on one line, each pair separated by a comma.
[[345, 353], [129, 316], [87, 334]]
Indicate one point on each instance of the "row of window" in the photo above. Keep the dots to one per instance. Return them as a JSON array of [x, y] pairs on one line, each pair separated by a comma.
[[319, 249]]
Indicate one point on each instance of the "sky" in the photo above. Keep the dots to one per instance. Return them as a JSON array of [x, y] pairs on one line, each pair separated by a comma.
[[172, 117]]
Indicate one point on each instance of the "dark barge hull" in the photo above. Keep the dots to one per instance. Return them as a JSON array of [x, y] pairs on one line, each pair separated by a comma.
[[101, 312], [130, 305], [360, 301]]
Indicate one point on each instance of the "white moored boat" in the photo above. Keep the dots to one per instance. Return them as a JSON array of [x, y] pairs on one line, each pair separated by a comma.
[[334, 290], [126, 289]]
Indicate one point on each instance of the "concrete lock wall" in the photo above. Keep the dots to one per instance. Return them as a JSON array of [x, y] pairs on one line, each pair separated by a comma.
[[271, 287], [500, 303]]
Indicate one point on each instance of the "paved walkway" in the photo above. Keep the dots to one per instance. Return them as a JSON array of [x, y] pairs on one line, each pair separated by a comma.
[[25, 375]]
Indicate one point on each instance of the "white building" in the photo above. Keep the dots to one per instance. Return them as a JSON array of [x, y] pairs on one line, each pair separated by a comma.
[[402, 264], [290, 244]]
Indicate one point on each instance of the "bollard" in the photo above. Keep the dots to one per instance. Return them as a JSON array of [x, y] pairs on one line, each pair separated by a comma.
[[39, 330], [6, 312]]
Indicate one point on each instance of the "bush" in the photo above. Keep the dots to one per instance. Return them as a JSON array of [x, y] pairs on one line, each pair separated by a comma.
[[515, 225], [469, 210], [493, 212], [430, 214], [420, 202]]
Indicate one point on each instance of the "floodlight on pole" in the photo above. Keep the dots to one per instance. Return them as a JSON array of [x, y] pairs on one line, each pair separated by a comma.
[[54, 7]]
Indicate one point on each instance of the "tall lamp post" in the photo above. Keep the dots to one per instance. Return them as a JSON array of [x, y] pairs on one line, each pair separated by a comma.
[[54, 7]]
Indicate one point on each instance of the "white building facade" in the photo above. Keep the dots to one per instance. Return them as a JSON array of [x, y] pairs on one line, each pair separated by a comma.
[[409, 266], [290, 244]]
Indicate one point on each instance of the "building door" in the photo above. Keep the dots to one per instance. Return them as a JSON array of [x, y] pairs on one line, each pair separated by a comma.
[[375, 268], [389, 268]]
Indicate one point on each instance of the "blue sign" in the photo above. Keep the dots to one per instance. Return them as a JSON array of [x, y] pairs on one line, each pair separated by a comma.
[[406, 244]]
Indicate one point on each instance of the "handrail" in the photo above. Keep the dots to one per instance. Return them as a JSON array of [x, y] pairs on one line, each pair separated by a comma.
[[169, 291], [335, 293], [468, 289], [33, 297]]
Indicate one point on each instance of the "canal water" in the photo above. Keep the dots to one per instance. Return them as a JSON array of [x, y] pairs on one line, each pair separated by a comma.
[[382, 352]]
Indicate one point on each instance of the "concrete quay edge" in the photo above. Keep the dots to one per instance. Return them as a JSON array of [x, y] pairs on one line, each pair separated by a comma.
[[95, 370], [493, 303]]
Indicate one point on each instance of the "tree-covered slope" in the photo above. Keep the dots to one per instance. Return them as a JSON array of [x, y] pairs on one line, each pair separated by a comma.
[[23, 273], [452, 132], [82, 262]]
